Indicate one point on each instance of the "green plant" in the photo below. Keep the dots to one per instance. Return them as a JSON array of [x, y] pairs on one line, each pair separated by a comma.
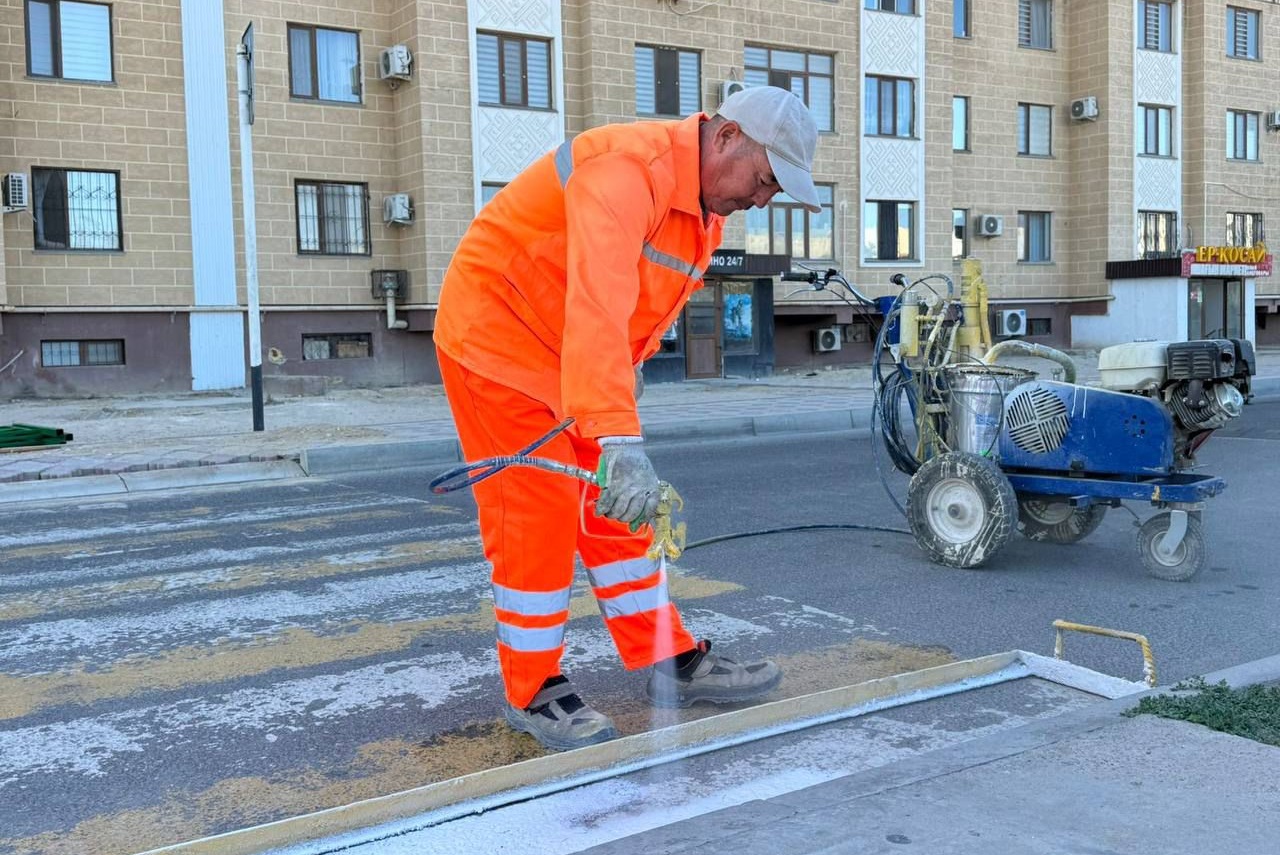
[[1252, 712]]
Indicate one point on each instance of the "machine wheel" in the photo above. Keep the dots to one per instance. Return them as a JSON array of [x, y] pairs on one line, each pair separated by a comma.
[[961, 508], [1186, 561], [1042, 518]]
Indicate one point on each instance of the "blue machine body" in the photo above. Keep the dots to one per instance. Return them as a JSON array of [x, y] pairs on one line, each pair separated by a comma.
[[1080, 430]]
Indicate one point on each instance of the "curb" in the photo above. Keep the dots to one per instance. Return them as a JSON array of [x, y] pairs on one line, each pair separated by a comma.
[[156, 479]]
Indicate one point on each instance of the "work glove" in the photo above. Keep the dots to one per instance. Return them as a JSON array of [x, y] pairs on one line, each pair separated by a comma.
[[630, 485], [639, 387]]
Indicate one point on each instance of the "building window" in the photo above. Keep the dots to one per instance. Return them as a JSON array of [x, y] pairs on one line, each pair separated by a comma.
[[1035, 23], [672, 343], [75, 209], [1035, 236], [959, 233], [337, 345], [1242, 33], [1242, 135], [1155, 131], [70, 40], [890, 107], [1244, 229], [668, 81], [333, 219], [1039, 326], [888, 231], [1155, 31], [959, 123], [960, 19], [739, 322], [1157, 234], [785, 227], [900, 7], [65, 354], [324, 65], [489, 189], [1035, 130], [514, 71], [809, 75]]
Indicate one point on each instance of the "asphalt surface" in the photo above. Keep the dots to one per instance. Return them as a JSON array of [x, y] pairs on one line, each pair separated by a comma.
[[177, 664]]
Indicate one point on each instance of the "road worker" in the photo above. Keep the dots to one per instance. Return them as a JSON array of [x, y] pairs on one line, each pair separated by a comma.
[[562, 286]]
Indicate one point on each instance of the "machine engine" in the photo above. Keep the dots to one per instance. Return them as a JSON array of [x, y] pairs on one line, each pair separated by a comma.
[[1203, 384]]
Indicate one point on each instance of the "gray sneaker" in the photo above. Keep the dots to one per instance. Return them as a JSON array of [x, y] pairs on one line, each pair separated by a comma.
[[711, 678], [559, 719]]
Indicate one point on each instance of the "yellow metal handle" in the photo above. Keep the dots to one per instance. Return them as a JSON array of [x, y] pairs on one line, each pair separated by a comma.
[[1148, 659]]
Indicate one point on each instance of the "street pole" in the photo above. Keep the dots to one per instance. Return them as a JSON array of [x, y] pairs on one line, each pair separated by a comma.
[[244, 84]]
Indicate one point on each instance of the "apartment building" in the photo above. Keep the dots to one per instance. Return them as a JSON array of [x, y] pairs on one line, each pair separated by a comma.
[[1112, 164]]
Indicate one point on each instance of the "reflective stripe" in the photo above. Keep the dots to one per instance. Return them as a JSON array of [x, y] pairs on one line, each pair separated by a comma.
[[631, 570], [564, 161], [531, 640], [680, 266], [635, 602], [531, 603]]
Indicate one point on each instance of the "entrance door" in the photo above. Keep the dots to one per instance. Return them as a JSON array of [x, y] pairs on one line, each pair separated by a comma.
[[702, 333], [1215, 308]]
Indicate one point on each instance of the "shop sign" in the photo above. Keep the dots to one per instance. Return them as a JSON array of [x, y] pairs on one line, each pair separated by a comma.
[[1227, 261], [728, 262]]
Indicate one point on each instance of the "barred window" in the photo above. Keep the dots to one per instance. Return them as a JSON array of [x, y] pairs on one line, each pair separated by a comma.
[[76, 209], [337, 345], [1157, 234], [70, 40], [333, 218], [64, 354], [1244, 229]]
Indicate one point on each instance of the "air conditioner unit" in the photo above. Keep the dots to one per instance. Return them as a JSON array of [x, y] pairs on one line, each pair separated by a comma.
[[397, 209], [16, 196], [730, 87], [395, 63], [1084, 109], [989, 225], [826, 339], [1011, 322], [1273, 120]]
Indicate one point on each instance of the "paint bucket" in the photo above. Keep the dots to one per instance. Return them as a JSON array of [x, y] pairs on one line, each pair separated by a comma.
[[977, 404]]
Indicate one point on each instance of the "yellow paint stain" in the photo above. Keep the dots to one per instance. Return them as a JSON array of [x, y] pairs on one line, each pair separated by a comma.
[[100, 595], [389, 766], [289, 649]]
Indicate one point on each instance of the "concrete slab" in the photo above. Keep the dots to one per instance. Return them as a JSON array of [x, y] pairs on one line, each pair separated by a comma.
[[61, 488], [329, 460], [204, 476]]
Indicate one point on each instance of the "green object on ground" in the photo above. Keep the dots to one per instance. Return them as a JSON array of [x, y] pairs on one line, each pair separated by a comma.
[[1252, 712], [19, 436]]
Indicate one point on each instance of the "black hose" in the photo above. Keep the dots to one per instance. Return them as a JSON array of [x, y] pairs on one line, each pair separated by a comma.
[[790, 528]]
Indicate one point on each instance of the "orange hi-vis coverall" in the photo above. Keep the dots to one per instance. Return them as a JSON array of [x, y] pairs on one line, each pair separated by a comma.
[[564, 282]]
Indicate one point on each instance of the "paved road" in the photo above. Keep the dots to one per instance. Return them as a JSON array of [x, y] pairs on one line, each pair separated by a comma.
[[173, 665]]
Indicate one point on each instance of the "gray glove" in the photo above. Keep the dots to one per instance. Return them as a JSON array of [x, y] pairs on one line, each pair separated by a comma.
[[639, 387], [631, 486]]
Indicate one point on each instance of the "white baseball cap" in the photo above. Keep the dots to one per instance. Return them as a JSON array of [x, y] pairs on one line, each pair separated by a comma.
[[779, 121]]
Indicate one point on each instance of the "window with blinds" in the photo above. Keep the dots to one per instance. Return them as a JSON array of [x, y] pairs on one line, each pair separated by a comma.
[[333, 219], [513, 71], [70, 40], [1035, 23], [1156, 25], [668, 81], [1242, 33], [808, 75], [1035, 130]]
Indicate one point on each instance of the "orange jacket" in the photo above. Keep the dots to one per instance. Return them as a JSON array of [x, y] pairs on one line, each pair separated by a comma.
[[570, 275]]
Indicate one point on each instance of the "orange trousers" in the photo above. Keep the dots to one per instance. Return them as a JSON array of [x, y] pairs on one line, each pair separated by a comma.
[[532, 522]]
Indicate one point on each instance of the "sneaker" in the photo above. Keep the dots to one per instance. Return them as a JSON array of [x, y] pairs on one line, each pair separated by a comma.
[[558, 718], [710, 677]]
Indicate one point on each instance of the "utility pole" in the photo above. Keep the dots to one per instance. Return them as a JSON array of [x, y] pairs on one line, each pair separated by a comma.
[[244, 83]]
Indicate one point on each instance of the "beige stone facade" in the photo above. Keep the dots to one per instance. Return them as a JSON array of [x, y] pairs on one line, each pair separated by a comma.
[[424, 137]]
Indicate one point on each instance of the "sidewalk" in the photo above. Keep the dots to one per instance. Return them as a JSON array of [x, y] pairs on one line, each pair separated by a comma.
[[119, 443]]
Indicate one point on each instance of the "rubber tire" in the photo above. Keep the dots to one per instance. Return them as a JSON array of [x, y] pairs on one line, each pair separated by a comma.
[[1191, 555], [1000, 505], [1081, 523]]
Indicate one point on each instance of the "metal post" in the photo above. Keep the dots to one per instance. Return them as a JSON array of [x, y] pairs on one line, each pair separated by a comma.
[[244, 73]]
